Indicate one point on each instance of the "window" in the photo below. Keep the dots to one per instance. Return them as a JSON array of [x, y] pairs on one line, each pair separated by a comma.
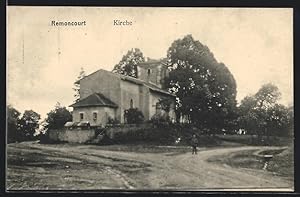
[[149, 71], [95, 116], [131, 103], [81, 116]]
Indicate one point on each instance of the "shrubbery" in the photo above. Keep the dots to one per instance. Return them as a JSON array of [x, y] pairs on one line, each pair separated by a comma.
[[163, 135], [113, 121], [133, 116], [159, 136]]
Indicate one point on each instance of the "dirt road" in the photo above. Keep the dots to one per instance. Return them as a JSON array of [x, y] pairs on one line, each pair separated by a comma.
[[34, 166]]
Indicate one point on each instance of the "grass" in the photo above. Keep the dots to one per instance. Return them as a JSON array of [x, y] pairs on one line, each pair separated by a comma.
[[242, 159], [252, 140], [282, 163]]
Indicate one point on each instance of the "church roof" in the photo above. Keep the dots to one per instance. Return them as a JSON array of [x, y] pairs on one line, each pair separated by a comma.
[[152, 63], [151, 86], [96, 99]]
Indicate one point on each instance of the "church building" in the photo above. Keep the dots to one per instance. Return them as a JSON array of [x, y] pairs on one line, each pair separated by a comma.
[[104, 94]]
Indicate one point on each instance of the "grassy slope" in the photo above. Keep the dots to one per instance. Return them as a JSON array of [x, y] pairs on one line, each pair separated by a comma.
[[282, 164]]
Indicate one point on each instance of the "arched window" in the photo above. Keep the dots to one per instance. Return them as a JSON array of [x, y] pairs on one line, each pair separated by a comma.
[[131, 103], [149, 71]]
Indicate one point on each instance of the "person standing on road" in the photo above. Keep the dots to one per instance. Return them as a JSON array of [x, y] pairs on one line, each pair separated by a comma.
[[194, 143]]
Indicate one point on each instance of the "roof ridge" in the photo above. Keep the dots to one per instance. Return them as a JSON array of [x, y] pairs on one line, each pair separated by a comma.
[[99, 98], [101, 101]]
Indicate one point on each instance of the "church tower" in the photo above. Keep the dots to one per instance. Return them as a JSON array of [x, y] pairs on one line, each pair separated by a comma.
[[153, 72]]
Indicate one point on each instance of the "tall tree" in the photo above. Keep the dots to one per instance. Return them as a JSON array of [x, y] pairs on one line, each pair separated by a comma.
[[261, 114], [248, 115], [280, 120], [205, 88], [267, 96], [13, 117], [128, 64], [77, 84], [29, 123], [57, 117]]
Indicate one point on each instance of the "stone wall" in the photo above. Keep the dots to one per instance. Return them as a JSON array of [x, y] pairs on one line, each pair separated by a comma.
[[71, 136]]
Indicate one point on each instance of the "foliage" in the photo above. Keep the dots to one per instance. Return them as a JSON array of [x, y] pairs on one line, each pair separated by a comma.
[[29, 123], [13, 117], [165, 104], [267, 96], [77, 84], [57, 118], [133, 116], [280, 120], [113, 121], [205, 88], [260, 114], [21, 128], [128, 64]]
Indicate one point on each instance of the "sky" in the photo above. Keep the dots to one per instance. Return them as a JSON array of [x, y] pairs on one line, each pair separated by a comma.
[[43, 61]]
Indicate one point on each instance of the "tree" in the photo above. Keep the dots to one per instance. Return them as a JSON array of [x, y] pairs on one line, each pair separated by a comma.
[[267, 96], [260, 114], [128, 64], [57, 118], [280, 120], [77, 84], [248, 117], [205, 88], [13, 117], [29, 123]]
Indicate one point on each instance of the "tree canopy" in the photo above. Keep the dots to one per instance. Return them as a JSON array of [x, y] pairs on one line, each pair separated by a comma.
[[128, 64], [29, 123], [261, 114], [76, 87], [21, 128], [205, 88], [13, 117], [57, 117]]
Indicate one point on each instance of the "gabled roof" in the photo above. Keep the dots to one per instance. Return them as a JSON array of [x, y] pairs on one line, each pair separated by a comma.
[[96, 99]]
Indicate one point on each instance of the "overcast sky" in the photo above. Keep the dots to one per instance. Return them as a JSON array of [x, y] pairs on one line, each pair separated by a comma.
[[44, 61]]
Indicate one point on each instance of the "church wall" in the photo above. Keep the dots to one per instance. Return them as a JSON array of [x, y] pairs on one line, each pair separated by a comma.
[[130, 91]]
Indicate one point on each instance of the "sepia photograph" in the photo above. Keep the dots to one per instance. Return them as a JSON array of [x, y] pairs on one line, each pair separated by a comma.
[[149, 99]]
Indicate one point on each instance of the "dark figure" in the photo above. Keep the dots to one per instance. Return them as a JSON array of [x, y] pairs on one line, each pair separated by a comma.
[[194, 143]]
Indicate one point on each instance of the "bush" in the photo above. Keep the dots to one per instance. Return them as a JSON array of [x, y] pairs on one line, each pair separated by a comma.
[[158, 136], [133, 116], [113, 121]]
